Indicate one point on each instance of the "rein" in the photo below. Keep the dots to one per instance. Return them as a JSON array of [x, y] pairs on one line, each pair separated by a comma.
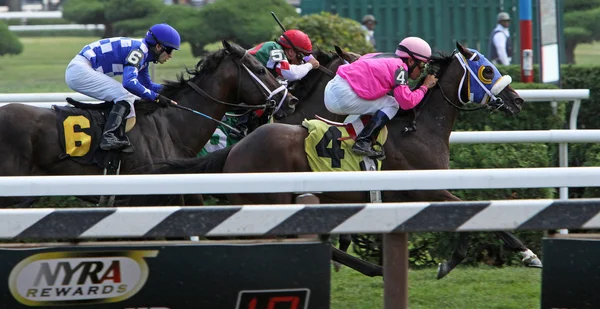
[[326, 71], [413, 125], [270, 102]]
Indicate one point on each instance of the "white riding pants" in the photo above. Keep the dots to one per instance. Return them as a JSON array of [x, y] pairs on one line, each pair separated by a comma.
[[81, 77], [341, 99]]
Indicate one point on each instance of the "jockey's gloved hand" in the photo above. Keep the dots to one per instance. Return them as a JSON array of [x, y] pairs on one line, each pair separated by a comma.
[[163, 101]]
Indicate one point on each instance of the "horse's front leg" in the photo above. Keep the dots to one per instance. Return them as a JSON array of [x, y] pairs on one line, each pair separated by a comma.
[[527, 256], [344, 244], [460, 251], [462, 246]]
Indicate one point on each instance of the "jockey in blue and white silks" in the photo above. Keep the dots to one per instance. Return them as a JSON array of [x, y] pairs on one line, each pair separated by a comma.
[[92, 69]]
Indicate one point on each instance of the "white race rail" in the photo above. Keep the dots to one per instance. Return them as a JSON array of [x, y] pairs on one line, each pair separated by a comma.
[[549, 177], [24, 28], [30, 15]]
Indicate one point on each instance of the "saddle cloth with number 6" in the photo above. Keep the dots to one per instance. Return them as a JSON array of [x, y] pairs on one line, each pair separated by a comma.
[[79, 133], [328, 147]]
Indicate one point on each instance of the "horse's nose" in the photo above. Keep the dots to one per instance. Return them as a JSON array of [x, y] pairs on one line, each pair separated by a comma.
[[279, 115], [293, 101], [519, 101]]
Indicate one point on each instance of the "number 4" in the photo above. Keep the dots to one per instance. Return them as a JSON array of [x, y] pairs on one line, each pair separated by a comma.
[[335, 153], [400, 76]]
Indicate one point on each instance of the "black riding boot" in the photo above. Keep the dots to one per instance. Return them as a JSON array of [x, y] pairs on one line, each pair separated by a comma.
[[114, 136], [364, 141]]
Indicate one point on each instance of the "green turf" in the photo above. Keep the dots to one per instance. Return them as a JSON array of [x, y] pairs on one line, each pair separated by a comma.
[[587, 54], [464, 288]]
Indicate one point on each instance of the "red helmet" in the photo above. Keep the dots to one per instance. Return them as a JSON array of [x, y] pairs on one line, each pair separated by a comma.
[[300, 40]]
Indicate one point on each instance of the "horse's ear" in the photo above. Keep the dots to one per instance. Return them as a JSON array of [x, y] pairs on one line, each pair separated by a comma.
[[226, 45], [350, 57], [463, 50], [339, 51]]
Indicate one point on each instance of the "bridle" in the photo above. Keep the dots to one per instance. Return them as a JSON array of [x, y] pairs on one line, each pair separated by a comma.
[[495, 103], [270, 103]]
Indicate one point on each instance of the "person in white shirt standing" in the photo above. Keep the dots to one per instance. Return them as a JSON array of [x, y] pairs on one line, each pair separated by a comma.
[[368, 25], [500, 44]]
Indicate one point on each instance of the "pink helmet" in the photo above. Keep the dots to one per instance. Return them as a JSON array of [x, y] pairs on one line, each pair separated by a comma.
[[414, 47]]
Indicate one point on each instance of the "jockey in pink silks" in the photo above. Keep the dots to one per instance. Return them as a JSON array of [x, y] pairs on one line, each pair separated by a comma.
[[361, 88]]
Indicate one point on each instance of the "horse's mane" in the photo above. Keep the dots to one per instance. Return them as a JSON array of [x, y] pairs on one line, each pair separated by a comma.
[[203, 68], [438, 65]]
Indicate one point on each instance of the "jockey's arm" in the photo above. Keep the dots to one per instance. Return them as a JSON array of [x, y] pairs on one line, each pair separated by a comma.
[[408, 99], [144, 78], [292, 72], [132, 83]]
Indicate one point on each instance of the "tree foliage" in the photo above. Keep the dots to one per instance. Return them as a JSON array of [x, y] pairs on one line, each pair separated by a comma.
[[581, 24], [244, 22], [108, 12], [580, 5], [10, 44], [326, 30]]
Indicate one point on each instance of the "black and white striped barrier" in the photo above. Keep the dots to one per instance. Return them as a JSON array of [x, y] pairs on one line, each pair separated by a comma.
[[258, 220]]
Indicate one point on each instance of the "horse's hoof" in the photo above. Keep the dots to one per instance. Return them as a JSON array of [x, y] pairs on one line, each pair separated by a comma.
[[444, 268], [337, 266], [533, 261]]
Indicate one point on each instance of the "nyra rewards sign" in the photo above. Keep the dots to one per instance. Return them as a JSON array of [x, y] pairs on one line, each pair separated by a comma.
[[68, 278]]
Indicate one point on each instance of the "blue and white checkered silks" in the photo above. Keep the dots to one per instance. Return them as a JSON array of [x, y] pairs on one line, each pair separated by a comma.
[[108, 55], [480, 88]]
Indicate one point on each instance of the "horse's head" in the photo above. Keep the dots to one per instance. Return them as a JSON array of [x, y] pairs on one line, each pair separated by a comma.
[[255, 84], [482, 83]]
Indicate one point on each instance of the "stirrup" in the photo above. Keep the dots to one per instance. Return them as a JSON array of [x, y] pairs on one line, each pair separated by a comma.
[[111, 142], [372, 153]]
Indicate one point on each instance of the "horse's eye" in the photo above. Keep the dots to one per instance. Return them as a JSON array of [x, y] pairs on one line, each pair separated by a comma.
[[485, 74], [488, 72], [262, 71]]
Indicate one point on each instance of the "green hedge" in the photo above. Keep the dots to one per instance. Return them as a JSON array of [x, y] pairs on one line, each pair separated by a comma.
[[574, 77], [326, 30], [577, 77], [10, 44]]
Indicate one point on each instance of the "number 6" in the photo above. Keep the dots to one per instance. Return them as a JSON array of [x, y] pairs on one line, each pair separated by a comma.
[[134, 57]]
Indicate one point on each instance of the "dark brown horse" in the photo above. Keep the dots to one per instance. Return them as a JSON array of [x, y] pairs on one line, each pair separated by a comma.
[[280, 148], [29, 136]]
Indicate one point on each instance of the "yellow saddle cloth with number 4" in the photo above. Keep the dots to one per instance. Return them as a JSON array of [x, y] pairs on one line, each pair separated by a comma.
[[329, 145]]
